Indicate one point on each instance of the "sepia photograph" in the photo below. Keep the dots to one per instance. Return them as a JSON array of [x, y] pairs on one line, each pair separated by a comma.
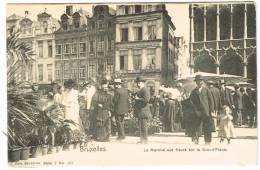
[[131, 83]]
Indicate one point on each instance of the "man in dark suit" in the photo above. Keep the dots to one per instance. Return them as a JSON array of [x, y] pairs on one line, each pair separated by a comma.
[[238, 102], [216, 99], [226, 96], [202, 103], [121, 107], [142, 109]]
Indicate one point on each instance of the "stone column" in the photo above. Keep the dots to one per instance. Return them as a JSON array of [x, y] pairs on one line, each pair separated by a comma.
[[231, 22], [118, 34], [144, 58], [130, 31], [205, 23], [145, 30], [130, 59], [245, 69], [117, 61], [244, 43], [217, 44], [191, 38]]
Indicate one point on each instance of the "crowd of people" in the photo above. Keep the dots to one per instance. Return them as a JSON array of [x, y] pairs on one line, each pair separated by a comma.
[[99, 109]]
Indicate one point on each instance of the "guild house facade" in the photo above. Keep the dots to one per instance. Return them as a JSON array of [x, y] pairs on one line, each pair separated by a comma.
[[133, 40], [39, 35], [223, 38], [101, 41], [144, 44], [71, 46]]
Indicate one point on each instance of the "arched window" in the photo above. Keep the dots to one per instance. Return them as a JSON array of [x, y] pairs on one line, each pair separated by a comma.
[[211, 20], [198, 24], [224, 21], [238, 21], [251, 21]]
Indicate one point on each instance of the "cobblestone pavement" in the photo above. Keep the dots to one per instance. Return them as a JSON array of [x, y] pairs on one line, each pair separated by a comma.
[[162, 149]]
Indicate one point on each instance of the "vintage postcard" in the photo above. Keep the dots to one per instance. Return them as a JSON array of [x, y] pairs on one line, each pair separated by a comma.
[[136, 83]]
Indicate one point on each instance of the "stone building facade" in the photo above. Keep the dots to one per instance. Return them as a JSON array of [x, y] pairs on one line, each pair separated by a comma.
[[71, 46], [223, 38], [144, 44], [101, 41]]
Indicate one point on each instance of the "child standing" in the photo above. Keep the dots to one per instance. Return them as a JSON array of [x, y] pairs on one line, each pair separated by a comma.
[[226, 128]]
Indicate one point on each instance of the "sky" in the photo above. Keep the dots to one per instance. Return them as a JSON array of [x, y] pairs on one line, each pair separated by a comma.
[[178, 12]]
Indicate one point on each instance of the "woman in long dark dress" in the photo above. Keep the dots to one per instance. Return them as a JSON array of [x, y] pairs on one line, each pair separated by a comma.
[[102, 108]]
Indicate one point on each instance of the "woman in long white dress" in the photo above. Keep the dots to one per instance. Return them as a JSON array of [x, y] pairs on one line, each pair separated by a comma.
[[70, 101]]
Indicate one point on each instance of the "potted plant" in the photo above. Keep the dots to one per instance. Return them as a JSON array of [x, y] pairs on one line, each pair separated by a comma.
[[77, 138]]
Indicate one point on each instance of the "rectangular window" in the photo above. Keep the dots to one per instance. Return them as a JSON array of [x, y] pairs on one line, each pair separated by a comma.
[[49, 48], [91, 46], [74, 48], [57, 74], [100, 44], [92, 68], [58, 49], [101, 24], [49, 71], [124, 34], [82, 73], [74, 73], [137, 59], [66, 49], [150, 8], [151, 56], [126, 9], [138, 9], [138, 33], [40, 46], [151, 32], [40, 72], [82, 47], [123, 60], [110, 66], [66, 70]]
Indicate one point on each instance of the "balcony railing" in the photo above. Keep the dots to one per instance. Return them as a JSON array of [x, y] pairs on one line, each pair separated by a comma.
[[139, 71]]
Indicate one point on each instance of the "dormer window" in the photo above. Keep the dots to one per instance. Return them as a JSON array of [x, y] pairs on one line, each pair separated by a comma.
[[65, 25], [76, 22], [101, 22]]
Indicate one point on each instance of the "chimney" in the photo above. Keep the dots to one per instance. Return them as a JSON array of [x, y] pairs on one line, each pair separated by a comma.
[[26, 13], [69, 10]]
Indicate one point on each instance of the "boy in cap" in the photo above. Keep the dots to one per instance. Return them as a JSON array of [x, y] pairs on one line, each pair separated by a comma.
[[142, 108]]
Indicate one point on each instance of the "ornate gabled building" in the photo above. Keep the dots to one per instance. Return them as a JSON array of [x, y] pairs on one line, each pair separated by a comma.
[[101, 39], [45, 47], [144, 44], [71, 46], [223, 38], [23, 71]]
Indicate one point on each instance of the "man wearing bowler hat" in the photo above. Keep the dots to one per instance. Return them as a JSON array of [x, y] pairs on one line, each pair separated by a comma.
[[217, 101], [202, 103], [142, 108], [121, 107]]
